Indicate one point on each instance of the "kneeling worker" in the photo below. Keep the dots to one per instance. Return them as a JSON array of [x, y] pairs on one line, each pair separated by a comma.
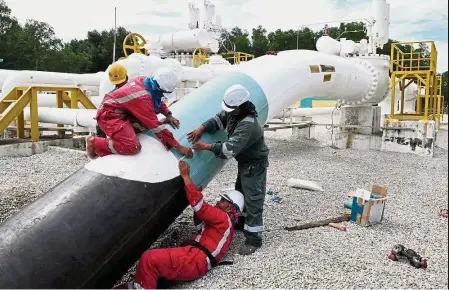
[[215, 225], [118, 76], [134, 107]]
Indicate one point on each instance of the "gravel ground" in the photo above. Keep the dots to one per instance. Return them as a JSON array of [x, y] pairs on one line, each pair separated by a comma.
[[316, 258], [22, 180]]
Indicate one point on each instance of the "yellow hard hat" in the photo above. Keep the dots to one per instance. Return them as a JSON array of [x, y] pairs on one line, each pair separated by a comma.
[[117, 73]]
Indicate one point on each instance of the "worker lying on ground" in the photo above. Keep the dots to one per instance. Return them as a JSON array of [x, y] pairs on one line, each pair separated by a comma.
[[215, 225], [133, 108], [118, 76], [246, 143]]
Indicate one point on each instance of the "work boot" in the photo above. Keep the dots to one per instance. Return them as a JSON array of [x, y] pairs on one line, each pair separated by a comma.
[[249, 248], [90, 150]]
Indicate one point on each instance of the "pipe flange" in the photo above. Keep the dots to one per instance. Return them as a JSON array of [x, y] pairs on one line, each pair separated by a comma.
[[374, 83]]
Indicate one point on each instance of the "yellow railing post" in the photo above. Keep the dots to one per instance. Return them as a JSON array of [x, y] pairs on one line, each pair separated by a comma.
[[34, 116], [60, 104], [74, 99], [20, 120], [393, 94]]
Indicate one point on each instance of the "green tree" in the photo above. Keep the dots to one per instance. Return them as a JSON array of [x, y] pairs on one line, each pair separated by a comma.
[[236, 40], [40, 44], [260, 42], [9, 29]]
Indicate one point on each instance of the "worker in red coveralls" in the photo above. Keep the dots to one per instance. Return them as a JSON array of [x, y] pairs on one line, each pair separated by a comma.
[[215, 225], [133, 108]]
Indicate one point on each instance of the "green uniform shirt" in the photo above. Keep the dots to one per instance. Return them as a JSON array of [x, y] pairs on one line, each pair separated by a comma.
[[245, 143]]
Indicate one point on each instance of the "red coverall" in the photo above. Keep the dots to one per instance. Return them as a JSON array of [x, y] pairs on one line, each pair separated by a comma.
[[188, 263], [126, 111]]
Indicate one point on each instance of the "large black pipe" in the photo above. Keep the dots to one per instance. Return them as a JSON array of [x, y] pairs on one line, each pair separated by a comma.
[[86, 232]]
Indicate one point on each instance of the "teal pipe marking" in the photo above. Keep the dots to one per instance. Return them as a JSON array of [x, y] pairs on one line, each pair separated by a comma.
[[203, 104]]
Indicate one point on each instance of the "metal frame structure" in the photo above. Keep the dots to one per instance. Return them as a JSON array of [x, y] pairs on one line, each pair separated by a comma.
[[13, 104], [436, 101], [407, 67], [238, 56]]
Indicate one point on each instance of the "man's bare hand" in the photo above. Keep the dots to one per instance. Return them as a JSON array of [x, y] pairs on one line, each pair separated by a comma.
[[201, 146], [184, 169], [172, 121], [186, 151], [195, 135]]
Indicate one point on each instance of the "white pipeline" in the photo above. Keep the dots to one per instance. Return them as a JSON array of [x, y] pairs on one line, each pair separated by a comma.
[[4, 74], [80, 117], [142, 65], [29, 78], [292, 75], [303, 112]]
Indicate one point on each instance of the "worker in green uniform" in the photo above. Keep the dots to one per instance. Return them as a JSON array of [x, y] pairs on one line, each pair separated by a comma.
[[246, 144], [118, 76]]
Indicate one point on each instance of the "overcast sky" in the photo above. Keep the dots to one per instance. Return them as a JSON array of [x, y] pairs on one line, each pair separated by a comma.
[[411, 20]]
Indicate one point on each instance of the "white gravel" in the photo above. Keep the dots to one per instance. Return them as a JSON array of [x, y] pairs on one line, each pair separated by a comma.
[[24, 179], [316, 258]]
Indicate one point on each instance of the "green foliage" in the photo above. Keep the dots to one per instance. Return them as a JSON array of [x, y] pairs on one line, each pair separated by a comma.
[[34, 46]]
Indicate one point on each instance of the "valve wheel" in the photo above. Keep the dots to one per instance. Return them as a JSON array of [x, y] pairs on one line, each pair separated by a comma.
[[137, 44], [200, 57]]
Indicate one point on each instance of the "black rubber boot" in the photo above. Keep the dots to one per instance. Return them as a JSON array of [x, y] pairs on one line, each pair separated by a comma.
[[248, 248]]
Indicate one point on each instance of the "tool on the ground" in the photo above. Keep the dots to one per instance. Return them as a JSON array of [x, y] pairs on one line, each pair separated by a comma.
[[338, 226], [321, 223], [413, 258]]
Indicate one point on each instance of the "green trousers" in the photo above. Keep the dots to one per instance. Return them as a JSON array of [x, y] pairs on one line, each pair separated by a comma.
[[252, 182]]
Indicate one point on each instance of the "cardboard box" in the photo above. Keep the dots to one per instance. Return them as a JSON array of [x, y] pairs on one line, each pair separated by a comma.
[[368, 207]]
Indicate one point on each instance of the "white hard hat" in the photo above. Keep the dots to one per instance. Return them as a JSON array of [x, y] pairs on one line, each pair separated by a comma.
[[166, 79], [234, 97], [235, 197]]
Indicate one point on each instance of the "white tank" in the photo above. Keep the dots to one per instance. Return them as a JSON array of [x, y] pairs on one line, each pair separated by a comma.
[[380, 13], [328, 45], [214, 46], [183, 40], [349, 46], [194, 16], [217, 20], [209, 12]]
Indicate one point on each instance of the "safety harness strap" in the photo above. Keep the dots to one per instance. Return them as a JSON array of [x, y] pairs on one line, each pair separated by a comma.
[[196, 244]]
